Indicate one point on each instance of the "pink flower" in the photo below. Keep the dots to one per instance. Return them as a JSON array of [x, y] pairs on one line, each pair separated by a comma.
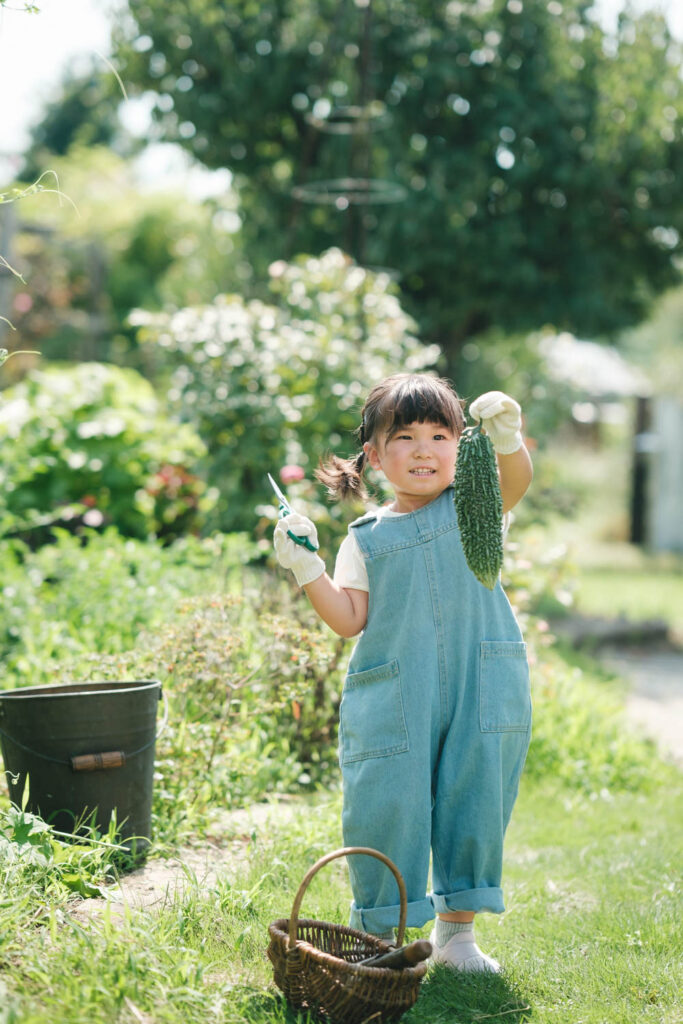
[[290, 474], [23, 302]]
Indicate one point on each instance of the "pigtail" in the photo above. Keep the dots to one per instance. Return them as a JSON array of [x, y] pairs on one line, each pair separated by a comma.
[[343, 477]]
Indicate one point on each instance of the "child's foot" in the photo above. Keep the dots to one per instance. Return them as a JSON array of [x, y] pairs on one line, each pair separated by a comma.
[[460, 950]]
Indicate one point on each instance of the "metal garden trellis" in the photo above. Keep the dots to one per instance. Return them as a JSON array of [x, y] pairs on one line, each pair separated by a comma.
[[352, 192]]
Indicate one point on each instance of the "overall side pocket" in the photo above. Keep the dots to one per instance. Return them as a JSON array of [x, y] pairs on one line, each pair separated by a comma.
[[504, 694], [371, 717]]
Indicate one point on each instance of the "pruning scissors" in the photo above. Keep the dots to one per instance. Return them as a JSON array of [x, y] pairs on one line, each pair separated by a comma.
[[285, 510]]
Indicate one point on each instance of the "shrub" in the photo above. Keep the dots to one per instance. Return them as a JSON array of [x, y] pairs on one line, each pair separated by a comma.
[[268, 385], [96, 435], [96, 594], [581, 738], [253, 698]]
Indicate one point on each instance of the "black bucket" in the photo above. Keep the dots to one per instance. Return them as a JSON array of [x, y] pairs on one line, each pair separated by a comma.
[[87, 750]]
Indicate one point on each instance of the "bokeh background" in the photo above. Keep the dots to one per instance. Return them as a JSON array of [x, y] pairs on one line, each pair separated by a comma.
[[222, 223]]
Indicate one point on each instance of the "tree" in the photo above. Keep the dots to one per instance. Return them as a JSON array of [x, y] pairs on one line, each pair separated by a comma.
[[123, 248], [539, 156], [84, 112]]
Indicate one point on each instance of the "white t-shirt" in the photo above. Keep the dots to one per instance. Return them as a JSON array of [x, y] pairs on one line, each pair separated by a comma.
[[349, 568]]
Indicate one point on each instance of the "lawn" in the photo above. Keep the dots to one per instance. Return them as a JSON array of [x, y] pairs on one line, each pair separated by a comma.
[[591, 934], [592, 931], [645, 592]]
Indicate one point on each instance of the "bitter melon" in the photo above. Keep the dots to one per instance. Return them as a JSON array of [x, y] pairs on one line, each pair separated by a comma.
[[479, 505]]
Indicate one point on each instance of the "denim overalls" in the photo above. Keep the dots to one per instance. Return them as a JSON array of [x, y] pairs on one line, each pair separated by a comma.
[[434, 724]]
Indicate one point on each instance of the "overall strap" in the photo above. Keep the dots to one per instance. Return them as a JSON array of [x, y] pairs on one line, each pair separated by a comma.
[[377, 534]]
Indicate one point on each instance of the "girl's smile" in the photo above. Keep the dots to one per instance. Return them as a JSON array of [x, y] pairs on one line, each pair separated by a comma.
[[418, 460]]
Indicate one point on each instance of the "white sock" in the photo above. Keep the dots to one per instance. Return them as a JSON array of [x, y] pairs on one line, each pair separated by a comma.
[[455, 945], [445, 930]]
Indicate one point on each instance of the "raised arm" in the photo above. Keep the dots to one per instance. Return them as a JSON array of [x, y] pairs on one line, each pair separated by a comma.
[[515, 472], [501, 419]]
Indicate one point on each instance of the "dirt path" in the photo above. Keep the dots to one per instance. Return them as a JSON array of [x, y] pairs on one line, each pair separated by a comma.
[[649, 659], [158, 882], [655, 700]]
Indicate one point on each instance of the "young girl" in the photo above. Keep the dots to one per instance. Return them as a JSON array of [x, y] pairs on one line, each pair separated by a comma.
[[435, 715]]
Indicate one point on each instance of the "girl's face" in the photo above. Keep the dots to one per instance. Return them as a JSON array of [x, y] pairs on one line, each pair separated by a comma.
[[417, 460]]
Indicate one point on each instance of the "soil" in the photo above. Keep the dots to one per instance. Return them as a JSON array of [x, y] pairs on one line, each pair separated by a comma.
[[158, 882]]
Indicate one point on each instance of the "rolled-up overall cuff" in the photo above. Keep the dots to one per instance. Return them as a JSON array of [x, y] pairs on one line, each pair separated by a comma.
[[377, 920], [489, 899]]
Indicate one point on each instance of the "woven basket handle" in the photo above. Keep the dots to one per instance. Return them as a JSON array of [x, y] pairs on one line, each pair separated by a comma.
[[294, 917]]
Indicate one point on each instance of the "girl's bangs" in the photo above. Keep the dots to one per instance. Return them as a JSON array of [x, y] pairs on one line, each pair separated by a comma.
[[420, 402]]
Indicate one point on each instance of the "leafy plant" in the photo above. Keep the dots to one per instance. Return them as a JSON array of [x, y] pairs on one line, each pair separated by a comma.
[[537, 151], [32, 854], [580, 736], [126, 248], [268, 385], [97, 435], [253, 698], [95, 594]]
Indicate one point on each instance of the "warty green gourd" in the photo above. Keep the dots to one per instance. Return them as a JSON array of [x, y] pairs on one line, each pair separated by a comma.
[[479, 505]]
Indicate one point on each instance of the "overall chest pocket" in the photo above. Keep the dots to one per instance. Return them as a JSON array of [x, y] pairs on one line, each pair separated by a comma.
[[504, 694], [371, 717]]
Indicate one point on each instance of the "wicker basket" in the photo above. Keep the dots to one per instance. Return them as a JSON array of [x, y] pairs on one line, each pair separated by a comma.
[[316, 964]]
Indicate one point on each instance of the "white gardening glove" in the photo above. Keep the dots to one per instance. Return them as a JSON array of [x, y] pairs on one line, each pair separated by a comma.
[[501, 418], [306, 565]]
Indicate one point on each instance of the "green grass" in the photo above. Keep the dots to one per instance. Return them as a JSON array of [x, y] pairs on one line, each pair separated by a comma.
[[610, 575], [636, 593], [591, 933]]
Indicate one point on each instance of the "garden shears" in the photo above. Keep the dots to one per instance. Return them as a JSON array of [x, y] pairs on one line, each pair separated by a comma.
[[286, 509]]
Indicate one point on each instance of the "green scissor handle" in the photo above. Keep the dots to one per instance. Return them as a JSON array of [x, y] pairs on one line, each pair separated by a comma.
[[286, 509]]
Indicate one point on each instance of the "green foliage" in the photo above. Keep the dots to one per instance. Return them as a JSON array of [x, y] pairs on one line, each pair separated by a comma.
[[655, 345], [83, 111], [540, 156], [34, 860], [253, 701], [267, 385], [579, 736], [95, 594], [122, 247], [252, 675], [97, 435], [479, 505], [516, 364]]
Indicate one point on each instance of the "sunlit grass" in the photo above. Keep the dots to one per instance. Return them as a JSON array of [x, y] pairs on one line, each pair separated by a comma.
[[638, 594], [591, 931]]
